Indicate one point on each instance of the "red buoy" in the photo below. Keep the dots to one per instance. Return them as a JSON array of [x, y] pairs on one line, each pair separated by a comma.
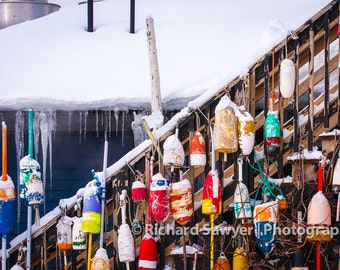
[[197, 150], [147, 253]]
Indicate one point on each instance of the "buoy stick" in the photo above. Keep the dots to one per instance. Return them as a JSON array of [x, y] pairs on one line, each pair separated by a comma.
[[148, 228], [89, 252], [4, 151], [212, 243], [65, 260], [103, 184], [29, 207]]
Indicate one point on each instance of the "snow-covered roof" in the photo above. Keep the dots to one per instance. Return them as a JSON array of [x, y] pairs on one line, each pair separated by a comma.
[[53, 62]]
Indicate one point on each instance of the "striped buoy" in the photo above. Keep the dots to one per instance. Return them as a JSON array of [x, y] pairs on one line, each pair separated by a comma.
[[8, 205], [212, 194], [272, 130], [91, 210], [64, 233], [147, 253], [265, 222], [197, 150], [138, 191], [159, 198], [225, 129], [100, 261], [240, 260], [79, 240], [181, 201], [222, 263], [246, 131], [287, 78]]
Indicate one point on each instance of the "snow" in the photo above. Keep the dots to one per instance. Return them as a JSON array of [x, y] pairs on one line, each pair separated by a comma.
[[201, 44]]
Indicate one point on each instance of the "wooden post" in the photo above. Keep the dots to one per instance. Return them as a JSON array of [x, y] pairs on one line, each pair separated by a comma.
[[156, 101], [311, 88], [326, 50]]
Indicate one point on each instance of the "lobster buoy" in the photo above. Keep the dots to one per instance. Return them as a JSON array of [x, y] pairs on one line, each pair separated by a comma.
[[64, 233], [91, 210], [222, 263], [272, 130], [242, 206], [173, 155], [225, 129], [181, 201], [138, 191], [265, 222], [147, 253], [8, 205], [197, 150], [79, 240], [31, 187], [100, 261], [287, 78], [319, 218], [240, 260], [212, 194], [159, 198], [246, 131]]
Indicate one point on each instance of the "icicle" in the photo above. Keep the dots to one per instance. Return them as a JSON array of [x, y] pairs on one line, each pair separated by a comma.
[[19, 144], [139, 134], [97, 124], [44, 143], [69, 121], [36, 131], [52, 129], [80, 125], [110, 123], [124, 115], [85, 123], [116, 112]]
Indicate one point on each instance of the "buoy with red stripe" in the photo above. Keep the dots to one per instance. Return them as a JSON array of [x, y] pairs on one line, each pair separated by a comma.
[[272, 130], [212, 194], [181, 201], [225, 128], [265, 223], [287, 78], [159, 198], [147, 253], [198, 151], [246, 131]]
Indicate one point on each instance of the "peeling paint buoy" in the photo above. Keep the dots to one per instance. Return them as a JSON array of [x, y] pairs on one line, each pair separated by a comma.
[[100, 261]]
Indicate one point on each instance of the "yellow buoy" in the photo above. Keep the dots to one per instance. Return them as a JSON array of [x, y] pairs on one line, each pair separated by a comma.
[[240, 260]]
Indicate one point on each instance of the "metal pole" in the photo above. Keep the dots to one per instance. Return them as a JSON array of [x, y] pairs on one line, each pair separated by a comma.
[[3, 259], [90, 15], [103, 184]]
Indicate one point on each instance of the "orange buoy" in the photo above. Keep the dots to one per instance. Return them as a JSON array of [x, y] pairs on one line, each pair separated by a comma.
[[222, 263], [181, 201], [197, 150]]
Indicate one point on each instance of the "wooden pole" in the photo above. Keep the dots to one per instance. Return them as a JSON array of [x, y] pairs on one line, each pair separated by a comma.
[[156, 101]]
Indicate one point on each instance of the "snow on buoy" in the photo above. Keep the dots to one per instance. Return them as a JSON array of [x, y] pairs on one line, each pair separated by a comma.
[[79, 240], [173, 155], [138, 191], [181, 201], [159, 198], [64, 233], [240, 261], [287, 78], [246, 131], [147, 253], [265, 222], [225, 128], [8, 205], [272, 129], [91, 210], [197, 150], [100, 261], [319, 218], [212, 194], [222, 263]]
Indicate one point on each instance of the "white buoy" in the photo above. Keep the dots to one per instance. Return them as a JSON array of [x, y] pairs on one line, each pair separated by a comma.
[[173, 155], [287, 78]]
